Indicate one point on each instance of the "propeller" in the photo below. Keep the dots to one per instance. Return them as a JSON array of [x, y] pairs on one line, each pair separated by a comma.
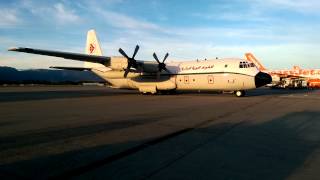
[[131, 61], [161, 65]]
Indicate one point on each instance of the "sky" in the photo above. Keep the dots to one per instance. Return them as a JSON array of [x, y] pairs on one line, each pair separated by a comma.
[[280, 33]]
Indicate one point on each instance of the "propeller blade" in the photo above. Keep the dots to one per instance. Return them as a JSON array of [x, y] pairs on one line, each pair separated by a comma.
[[135, 51], [123, 53], [126, 72], [161, 66], [165, 57], [156, 58]]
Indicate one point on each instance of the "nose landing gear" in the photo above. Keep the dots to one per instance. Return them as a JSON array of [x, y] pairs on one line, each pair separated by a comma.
[[239, 93]]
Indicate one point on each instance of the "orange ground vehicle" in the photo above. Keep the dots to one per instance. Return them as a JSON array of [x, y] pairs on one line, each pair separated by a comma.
[[314, 83]]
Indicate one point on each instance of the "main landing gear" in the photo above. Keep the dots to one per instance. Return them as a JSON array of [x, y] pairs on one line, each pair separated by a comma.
[[240, 93]]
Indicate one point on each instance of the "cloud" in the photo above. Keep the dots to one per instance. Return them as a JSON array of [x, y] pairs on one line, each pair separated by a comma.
[[64, 15], [123, 21], [61, 14], [270, 41], [252, 11], [247, 16], [234, 10], [8, 18], [250, 26], [310, 7]]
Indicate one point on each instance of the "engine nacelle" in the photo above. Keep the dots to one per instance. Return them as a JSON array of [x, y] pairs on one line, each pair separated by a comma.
[[118, 63]]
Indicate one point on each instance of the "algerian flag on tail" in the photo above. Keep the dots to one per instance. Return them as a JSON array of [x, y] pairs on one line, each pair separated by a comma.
[[93, 48]]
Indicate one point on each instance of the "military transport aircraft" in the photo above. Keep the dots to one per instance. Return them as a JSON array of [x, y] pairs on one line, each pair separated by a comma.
[[230, 74]]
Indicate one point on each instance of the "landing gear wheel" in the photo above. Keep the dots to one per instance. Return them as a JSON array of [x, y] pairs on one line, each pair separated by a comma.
[[240, 93]]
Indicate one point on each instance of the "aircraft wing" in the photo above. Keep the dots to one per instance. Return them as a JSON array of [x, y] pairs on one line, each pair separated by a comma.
[[294, 76], [66, 55], [71, 68], [287, 75], [144, 66]]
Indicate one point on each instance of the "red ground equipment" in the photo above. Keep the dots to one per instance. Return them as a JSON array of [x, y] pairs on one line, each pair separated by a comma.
[[314, 83]]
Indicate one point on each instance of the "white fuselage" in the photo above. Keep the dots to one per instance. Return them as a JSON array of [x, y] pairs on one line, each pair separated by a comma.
[[216, 75]]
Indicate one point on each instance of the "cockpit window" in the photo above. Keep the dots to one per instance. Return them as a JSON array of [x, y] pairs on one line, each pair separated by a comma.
[[244, 64]]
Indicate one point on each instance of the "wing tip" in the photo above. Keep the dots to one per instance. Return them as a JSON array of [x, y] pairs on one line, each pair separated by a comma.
[[13, 49]]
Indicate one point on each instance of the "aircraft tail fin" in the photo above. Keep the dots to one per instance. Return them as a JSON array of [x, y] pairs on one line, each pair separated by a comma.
[[250, 57], [93, 46]]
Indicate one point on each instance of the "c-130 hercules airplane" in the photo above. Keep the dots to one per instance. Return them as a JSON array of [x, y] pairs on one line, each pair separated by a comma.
[[229, 74]]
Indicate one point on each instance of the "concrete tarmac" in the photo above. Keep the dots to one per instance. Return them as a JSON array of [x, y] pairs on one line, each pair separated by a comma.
[[78, 132]]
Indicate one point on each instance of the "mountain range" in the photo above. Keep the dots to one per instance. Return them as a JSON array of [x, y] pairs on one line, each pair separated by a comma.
[[9, 75]]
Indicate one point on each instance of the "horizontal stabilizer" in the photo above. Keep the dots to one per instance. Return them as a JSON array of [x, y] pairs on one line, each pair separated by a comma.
[[71, 68]]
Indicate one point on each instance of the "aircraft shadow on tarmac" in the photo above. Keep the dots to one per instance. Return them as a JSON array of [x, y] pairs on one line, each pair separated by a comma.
[[269, 150], [269, 91], [251, 93]]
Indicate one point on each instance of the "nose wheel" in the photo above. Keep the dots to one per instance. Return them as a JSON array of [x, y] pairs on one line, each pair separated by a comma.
[[240, 93]]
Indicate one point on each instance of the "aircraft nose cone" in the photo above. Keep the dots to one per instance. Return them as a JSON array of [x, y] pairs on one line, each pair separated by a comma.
[[262, 79]]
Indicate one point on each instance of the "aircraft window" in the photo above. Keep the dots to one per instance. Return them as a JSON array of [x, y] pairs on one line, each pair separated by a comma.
[[226, 65], [241, 65], [245, 65]]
